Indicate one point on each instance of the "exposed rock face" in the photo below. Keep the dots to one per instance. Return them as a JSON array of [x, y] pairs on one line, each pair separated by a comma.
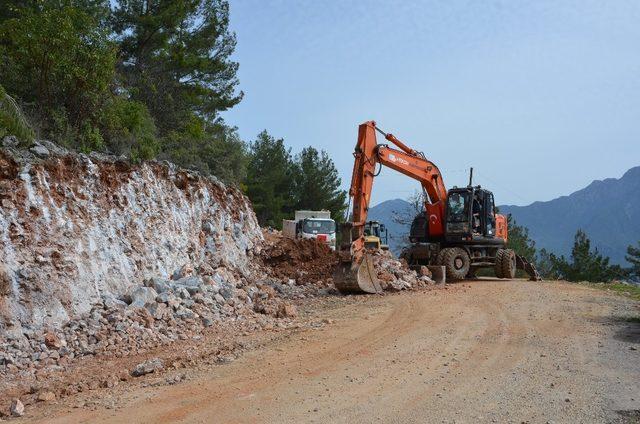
[[76, 228]]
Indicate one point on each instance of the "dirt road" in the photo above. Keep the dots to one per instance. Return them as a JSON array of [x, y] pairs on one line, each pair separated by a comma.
[[486, 351]]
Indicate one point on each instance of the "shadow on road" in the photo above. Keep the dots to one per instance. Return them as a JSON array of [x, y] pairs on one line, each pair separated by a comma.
[[628, 329]]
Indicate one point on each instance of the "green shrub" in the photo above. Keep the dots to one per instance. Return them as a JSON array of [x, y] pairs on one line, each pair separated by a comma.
[[59, 60], [129, 129]]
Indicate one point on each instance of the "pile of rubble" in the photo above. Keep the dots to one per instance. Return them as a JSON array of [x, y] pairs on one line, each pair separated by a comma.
[[157, 313], [395, 275], [306, 262]]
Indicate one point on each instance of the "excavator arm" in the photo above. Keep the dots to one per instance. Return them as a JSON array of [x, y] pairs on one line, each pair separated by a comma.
[[356, 272]]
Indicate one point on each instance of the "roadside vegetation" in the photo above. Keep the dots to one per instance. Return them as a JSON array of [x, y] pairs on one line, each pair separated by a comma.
[[628, 290], [584, 264], [149, 80]]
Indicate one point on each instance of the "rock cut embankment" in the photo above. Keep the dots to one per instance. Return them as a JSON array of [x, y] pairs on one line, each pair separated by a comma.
[[75, 228]]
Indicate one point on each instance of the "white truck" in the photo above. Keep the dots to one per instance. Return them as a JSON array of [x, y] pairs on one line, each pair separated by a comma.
[[311, 225]]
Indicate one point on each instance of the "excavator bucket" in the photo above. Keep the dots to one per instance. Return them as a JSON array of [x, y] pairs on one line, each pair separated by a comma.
[[357, 277]]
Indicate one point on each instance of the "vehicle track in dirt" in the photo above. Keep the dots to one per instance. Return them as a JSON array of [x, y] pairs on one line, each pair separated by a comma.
[[485, 351]]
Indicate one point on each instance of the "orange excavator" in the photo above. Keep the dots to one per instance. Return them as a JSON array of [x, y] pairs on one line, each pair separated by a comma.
[[458, 229]]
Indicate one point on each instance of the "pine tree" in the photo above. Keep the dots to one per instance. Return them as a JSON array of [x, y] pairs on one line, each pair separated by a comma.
[[317, 184], [520, 241], [270, 184], [175, 58], [586, 265], [633, 257], [549, 265]]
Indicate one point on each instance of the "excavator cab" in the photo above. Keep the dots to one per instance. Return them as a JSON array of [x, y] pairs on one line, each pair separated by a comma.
[[470, 216]]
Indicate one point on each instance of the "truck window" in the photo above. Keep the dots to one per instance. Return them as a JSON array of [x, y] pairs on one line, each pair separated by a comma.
[[318, 226]]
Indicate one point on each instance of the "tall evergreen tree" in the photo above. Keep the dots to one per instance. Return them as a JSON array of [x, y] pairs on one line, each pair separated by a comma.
[[548, 265], [175, 58], [519, 240], [633, 257], [585, 265], [269, 182], [317, 184]]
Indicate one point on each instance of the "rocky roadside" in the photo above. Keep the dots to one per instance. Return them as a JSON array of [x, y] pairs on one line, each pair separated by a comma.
[[164, 320], [167, 325]]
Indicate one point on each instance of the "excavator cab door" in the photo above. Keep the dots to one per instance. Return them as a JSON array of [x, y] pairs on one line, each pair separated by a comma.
[[459, 215], [490, 215]]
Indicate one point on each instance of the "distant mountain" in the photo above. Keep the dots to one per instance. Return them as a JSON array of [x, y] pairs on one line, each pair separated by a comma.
[[608, 210], [390, 212]]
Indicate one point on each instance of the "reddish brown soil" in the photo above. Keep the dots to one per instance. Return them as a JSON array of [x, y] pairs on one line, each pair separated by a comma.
[[305, 261], [8, 167]]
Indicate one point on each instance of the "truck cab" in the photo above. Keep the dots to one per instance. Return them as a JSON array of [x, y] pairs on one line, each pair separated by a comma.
[[321, 229], [316, 225]]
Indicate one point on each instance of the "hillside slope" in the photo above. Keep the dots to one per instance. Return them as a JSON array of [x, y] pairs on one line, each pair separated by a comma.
[[76, 228]]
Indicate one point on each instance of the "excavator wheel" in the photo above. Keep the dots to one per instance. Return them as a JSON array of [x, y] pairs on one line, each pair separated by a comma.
[[357, 277], [456, 261], [497, 267], [505, 266]]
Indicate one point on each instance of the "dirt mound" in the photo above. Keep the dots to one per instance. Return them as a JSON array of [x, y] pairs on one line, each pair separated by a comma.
[[310, 262], [305, 261]]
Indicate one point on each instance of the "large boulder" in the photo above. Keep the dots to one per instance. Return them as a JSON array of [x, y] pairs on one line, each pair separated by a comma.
[[141, 297]]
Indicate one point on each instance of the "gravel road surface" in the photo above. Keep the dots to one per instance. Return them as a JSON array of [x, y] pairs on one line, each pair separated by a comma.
[[483, 351]]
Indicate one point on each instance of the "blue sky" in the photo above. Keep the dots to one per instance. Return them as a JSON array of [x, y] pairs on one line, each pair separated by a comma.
[[539, 97]]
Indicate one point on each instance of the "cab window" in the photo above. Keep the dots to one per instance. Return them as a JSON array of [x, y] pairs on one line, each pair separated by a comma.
[[458, 207]]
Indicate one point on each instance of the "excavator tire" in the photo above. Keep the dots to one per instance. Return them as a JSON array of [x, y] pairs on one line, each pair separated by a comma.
[[497, 267], [456, 261], [505, 264]]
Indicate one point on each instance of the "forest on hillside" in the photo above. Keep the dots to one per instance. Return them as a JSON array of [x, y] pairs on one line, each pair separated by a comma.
[[149, 80]]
